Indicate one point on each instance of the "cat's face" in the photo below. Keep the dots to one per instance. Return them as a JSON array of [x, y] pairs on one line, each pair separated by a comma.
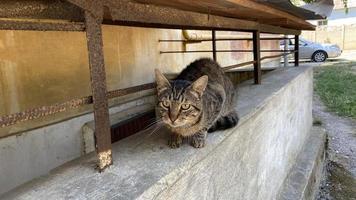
[[180, 102]]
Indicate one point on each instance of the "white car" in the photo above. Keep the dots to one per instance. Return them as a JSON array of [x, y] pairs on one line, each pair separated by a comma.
[[315, 51]]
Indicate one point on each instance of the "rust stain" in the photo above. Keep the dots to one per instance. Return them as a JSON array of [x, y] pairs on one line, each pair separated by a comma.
[[105, 159]]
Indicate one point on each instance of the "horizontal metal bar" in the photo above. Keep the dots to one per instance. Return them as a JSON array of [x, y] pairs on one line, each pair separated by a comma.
[[275, 56], [253, 62], [130, 90], [238, 65], [222, 51], [41, 26], [222, 39], [43, 111]]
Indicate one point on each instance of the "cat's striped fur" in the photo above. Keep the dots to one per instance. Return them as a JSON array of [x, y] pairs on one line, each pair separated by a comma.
[[200, 99]]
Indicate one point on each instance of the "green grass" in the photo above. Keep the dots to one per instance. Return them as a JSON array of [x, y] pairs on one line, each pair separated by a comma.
[[336, 86]]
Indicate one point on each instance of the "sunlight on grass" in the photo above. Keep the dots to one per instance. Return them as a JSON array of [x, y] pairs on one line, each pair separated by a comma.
[[336, 86]]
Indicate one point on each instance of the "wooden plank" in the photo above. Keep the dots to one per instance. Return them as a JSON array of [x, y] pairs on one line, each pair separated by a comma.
[[240, 9], [99, 90], [40, 25], [41, 9], [257, 56], [265, 28], [275, 13]]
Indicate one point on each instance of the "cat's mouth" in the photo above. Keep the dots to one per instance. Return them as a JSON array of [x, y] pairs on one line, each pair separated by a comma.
[[174, 124]]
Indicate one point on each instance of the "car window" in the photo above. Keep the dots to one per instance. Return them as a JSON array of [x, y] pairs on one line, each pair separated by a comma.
[[281, 42], [291, 42], [301, 42]]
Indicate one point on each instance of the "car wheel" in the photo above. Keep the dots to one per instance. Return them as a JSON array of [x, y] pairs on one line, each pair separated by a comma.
[[319, 56]]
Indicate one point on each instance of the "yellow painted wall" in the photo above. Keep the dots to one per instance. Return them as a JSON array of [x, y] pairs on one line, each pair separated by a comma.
[[43, 68]]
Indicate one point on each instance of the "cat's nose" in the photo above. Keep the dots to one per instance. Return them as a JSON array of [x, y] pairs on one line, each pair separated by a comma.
[[173, 117]]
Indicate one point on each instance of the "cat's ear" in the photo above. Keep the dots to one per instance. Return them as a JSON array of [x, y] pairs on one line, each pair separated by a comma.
[[161, 81], [198, 86]]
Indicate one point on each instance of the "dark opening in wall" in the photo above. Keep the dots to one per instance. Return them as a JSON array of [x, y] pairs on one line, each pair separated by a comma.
[[131, 126]]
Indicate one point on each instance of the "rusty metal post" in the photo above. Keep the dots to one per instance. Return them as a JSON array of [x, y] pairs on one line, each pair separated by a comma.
[[296, 50], [285, 56], [99, 90], [257, 56], [213, 34]]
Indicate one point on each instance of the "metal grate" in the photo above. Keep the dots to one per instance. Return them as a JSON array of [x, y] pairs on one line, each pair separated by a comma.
[[131, 126]]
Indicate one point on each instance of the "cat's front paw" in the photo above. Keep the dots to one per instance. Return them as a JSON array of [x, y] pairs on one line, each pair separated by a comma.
[[198, 143], [175, 141], [198, 140]]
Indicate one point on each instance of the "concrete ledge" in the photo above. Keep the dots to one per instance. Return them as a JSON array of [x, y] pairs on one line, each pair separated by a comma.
[[250, 161], [304, 178], [34, 153]]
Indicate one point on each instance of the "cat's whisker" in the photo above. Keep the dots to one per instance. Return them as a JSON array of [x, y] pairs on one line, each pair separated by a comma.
[[156, 129], [152, 123]]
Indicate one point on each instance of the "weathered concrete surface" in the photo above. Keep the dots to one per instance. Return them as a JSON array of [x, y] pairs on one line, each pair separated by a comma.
[[26, 156], [304, 178], [250, 161]]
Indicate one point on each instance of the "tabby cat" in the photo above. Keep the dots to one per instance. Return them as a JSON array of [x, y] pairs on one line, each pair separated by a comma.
[[200, 99]]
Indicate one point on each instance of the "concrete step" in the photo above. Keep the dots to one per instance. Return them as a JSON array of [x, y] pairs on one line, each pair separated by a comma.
[[304, 177]]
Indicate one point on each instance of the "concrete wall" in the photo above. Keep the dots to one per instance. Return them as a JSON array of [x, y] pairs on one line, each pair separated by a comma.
[[248, 162], [342, 35], [340, 16], [44, 68]]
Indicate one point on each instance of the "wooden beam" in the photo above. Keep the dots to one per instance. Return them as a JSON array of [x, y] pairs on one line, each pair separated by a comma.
[[257, 57], [99, 90], [7, 24], [275, 21], [41, 9], [264, 28]]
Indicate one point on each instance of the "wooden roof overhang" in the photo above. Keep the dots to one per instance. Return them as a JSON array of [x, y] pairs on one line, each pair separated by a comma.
[[239, 15]]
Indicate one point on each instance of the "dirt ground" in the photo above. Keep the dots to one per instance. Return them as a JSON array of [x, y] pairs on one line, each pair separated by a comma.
[[339, 182]]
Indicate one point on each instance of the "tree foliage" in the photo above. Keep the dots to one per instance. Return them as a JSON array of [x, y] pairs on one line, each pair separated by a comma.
[[298, 2]]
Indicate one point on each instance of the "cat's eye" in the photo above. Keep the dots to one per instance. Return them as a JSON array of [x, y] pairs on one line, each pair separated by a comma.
[[185, 106], [165, 104]]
